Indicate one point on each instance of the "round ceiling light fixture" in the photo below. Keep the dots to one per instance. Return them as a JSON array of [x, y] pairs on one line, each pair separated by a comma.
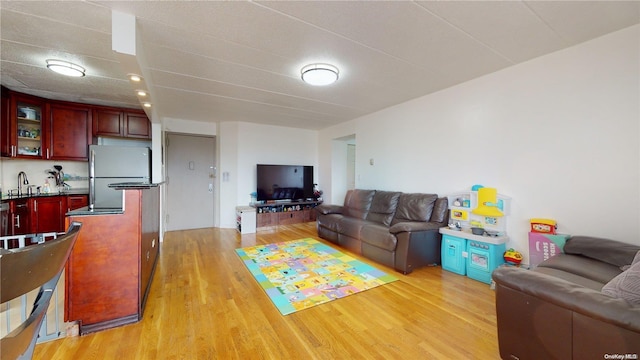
[[319, 74], [65, 68], [134, 77]]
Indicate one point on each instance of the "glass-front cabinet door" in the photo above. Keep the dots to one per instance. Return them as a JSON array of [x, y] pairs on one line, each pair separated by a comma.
[[29, 129]]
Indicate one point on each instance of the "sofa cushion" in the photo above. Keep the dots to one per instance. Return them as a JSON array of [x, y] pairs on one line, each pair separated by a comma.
[[414, 207], [383, 206], [350, 227], [571, 277], [378, 236], [610, 251], [582, 266], [440, 211], [357, 203], [329, 221], [626, 285]]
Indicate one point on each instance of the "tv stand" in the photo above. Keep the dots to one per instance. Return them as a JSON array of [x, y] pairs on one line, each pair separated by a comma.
[[285, 213]]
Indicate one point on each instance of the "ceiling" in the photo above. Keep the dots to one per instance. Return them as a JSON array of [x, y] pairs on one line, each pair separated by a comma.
[[216, 61]]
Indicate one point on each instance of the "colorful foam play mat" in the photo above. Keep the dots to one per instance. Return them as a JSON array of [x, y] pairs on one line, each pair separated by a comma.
[[299, 274]]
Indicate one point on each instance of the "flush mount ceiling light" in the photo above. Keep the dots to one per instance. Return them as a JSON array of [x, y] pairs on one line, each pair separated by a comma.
[[65, 68], [146, 104], [141, 93], [135, 77], [319, 74]]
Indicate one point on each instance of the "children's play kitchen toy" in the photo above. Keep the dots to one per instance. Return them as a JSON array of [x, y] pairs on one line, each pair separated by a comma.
[[479, 247]]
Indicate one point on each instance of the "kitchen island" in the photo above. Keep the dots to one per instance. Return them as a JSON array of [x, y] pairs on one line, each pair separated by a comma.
[[111, 266]]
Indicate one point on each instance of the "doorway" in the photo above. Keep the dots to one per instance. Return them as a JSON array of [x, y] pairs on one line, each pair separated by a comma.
[[190, 175]]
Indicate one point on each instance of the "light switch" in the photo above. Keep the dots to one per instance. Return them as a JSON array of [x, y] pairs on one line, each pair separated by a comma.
[[192, 165]]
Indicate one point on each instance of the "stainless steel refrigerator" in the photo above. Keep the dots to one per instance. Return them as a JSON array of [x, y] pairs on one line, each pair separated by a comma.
[[115, 164]]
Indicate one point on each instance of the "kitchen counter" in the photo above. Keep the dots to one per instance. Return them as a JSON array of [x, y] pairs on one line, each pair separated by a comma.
[[99, 211], [110, 269], [132, 185], [112, 211], [78, 191]]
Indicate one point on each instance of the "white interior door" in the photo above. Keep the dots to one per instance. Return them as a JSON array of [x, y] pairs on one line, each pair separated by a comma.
[[190, 162]]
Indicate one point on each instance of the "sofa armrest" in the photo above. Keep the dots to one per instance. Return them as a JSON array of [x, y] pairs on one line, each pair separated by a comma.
[[414, 226], [326, 209], [418, 245], [574, 297]]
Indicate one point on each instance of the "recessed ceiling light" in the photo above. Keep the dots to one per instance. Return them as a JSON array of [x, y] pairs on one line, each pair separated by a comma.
[[135, 77], [142, 93], [319, 74], [65, 68], [147, 105]]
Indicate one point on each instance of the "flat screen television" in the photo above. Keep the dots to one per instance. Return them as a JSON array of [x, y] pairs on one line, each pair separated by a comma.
[[284, 182]]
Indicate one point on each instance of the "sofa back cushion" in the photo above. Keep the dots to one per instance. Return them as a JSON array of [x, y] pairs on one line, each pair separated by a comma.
[[440, 212], [357, 203], [610, 251], [383, 207], [414, 207]]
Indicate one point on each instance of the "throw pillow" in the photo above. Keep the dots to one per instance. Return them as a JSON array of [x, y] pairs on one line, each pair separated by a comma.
[[626, 285], [635, 260]]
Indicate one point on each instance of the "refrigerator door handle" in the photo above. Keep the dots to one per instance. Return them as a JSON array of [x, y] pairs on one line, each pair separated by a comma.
[[92, 163], [92, 179]]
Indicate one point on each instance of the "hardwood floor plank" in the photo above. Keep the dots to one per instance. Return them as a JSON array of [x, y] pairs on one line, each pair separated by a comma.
[[204, 304]]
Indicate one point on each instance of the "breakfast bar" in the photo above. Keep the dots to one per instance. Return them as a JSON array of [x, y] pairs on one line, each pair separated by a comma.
[[110, 270]]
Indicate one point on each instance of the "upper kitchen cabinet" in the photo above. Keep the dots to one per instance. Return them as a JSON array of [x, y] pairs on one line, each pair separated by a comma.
[[23, 127], [121, 123], [137, 125], [70, 132], [5, 131]]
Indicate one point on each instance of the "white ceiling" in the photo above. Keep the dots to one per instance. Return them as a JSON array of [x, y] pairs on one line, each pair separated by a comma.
[[240, 61]]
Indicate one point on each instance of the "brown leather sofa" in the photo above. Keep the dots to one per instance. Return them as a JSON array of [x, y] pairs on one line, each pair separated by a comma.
[[395, 229], [559, 309]]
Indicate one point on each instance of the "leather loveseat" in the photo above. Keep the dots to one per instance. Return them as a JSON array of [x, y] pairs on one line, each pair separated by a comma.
[[576, 305], [399, 230]]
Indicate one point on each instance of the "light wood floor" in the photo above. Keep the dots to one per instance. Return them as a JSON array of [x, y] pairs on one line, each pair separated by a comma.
[[204, 304]]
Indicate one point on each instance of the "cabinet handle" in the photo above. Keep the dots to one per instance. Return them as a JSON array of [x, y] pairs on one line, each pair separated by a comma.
[[47, 153], [13, 150], [17, 221]]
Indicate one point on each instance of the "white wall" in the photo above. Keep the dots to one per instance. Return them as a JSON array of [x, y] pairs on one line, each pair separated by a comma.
[[559, 134], [243, 145]]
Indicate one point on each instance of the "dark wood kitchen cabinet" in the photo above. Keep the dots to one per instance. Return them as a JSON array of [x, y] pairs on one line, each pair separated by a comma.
[[36, 128], [23, 126], [70, 132], [5, 130], [121, 123], [48, 213], [77, 201], [38, 214], [19, 216]]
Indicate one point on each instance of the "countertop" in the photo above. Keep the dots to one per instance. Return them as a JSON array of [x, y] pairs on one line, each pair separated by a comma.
[[131, 185], [495, 240], [83, 211], [78, 191]]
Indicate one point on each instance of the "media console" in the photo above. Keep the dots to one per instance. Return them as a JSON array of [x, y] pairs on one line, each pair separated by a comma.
[[285, 213]]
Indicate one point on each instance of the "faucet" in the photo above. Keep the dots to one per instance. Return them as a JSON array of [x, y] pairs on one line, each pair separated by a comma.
[[22, 180]]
